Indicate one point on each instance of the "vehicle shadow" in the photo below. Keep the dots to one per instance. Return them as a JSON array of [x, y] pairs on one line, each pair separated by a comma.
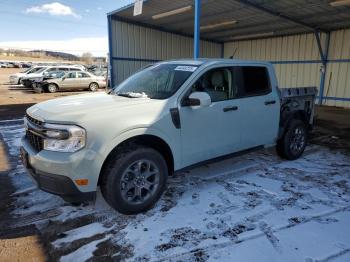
[[13, 111]]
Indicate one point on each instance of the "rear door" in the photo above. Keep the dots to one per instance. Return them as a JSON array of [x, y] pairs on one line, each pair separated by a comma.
[[84, 79], [260, 106]]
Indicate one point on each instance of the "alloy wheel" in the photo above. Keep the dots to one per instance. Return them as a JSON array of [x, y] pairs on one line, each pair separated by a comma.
[[298, 140], [139, 181]]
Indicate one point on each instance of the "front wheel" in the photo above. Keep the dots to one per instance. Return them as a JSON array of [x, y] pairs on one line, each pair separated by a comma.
[[134, 180], [292, 145], [52, 88]]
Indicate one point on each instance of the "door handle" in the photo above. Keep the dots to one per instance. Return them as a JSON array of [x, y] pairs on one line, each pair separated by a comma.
[[230, 108], [272, 102]]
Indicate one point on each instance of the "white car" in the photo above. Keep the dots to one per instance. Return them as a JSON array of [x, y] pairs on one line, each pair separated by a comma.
[[29, 78], [15, 79]]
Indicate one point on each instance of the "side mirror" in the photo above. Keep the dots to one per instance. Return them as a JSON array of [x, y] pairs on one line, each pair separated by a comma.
[[197, 99], [63, 78]]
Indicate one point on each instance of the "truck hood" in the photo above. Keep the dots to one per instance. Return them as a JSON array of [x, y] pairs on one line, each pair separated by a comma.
[[79, 108]]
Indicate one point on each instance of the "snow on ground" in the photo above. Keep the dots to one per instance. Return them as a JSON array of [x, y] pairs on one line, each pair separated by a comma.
[[248, 208]]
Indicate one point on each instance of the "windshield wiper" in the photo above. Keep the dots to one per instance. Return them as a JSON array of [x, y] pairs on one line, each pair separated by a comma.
[[133, 95]]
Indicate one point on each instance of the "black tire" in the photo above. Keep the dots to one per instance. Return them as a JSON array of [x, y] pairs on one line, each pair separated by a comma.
[[27, 84], [292, 144], [113, 183], [93, 87], [52, 88]]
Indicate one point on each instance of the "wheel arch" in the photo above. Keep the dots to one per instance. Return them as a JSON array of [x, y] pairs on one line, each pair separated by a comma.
[[297, 114], [149, 140]]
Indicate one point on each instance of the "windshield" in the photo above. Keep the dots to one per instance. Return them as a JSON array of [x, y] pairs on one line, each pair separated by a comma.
[[27, 70], [157, 82], [33, 70], [40, 70]]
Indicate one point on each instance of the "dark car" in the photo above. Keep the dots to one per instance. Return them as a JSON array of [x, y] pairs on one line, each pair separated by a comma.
[[26, 65]]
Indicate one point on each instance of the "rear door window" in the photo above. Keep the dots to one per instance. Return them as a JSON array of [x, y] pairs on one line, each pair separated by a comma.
[[254, 81], [71, 75], [82, 75]]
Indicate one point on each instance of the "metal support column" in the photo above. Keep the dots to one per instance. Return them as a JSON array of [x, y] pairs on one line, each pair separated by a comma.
[[222, 50], [197, 18], [110, 50], [324, 58]]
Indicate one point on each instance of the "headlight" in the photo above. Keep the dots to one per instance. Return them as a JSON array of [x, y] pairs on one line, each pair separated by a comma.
[[64, 138]]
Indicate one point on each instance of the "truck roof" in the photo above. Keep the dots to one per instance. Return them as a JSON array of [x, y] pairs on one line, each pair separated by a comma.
[[211, 61]]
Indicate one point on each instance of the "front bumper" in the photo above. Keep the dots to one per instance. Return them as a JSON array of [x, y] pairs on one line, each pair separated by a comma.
[[14, 80], [27, 83], [37, 87], [45, 173]]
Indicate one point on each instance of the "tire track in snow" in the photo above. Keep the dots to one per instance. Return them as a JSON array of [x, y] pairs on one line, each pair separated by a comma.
[[185, 255]]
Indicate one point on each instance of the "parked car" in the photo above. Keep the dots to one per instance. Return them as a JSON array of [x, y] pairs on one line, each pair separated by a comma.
[[10, 65], [26, 65], [15, 79], [28, 79], [75, 80], [3, 65], [164, 118], [37, 82]]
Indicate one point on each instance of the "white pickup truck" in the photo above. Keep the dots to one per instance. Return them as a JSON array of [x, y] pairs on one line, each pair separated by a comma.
[[164, 118]]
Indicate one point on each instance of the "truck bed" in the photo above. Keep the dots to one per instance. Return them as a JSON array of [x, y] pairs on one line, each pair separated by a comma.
[[298, 100]]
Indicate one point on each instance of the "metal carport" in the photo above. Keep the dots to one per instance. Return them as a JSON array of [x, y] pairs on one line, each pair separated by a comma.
[[307, 40]]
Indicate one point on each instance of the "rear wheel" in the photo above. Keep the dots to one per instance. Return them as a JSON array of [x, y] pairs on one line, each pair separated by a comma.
[[135, 179], [292, 145], [93, 87], [52, 88]]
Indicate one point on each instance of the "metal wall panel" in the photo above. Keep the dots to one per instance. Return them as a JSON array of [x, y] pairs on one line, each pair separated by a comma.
[[337, 82], [281, 50], [297, 61], [135, 42]]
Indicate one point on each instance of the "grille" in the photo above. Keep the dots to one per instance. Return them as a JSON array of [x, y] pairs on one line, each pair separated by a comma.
[[35, 140], [34, 121]]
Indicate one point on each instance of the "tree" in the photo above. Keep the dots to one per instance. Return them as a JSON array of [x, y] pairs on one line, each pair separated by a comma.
[[86, 57]]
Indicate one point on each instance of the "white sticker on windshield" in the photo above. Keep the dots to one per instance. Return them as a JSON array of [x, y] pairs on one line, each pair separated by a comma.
[[186, 68]]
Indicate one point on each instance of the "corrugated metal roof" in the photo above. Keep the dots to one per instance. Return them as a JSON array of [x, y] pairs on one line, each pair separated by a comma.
[[282, 17]]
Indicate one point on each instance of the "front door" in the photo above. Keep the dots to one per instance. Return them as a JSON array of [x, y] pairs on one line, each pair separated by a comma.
[[69, 81], [212, 131]]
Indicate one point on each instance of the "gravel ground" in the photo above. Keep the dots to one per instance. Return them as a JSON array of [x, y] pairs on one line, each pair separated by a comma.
[[15, 99], [248, 208]]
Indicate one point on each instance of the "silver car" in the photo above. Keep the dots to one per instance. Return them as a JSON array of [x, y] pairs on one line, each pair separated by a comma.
[[74, 80]]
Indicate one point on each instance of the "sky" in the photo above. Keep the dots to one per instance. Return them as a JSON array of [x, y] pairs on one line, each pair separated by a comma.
[[72, 26]]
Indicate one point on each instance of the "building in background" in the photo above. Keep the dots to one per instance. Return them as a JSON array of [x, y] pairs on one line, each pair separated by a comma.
[[308, 42]]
